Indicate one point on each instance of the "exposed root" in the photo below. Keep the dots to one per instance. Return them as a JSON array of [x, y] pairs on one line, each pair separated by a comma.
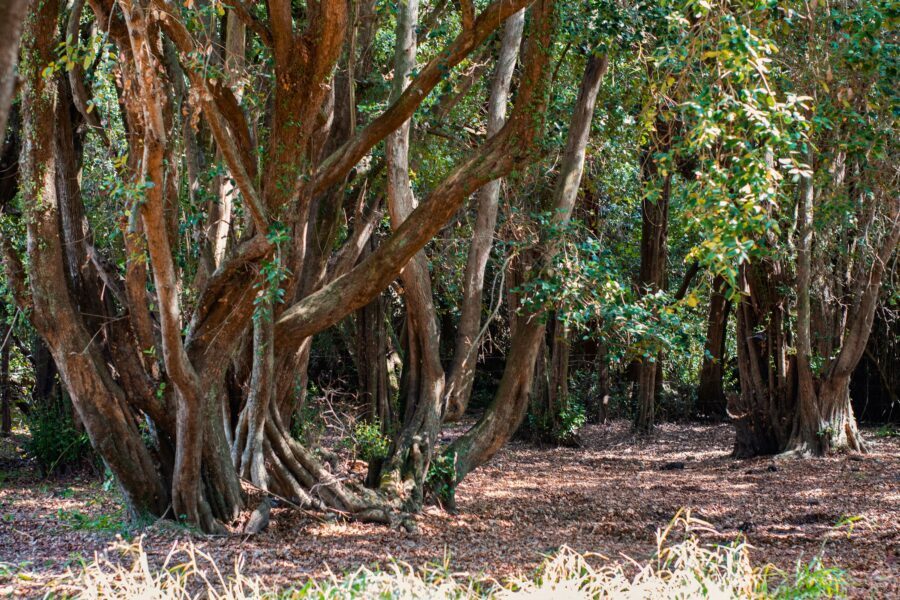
[[287, 470]]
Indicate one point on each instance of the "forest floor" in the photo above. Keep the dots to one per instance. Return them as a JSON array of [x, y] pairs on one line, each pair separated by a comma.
[[608, 496]]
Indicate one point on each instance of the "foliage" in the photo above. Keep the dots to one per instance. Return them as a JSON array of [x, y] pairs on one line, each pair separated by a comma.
[[367, 441], [441, 478], [115, 523], [560, 427], [742, 133], [811, 580], [588, 287], [572, 417], [55, 442], [887, 431], [736, 105]]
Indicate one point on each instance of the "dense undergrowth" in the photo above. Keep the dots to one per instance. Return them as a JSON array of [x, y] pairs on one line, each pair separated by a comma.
[[687, 568]]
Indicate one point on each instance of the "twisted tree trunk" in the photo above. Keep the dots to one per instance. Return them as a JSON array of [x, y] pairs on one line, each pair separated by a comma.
[[175, 364], [100, 402]]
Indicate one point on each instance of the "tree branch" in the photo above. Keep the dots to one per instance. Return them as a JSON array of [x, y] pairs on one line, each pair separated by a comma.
[[468, 14], [494, 159], [239, 163], [339, 163], [251, 22], [15, 273]]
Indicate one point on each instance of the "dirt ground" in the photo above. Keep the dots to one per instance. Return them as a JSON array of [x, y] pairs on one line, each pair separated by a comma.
[[608, 496]]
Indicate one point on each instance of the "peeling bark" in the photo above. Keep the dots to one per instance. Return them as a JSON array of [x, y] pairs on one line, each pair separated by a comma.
[[100, 403], [178, 362]]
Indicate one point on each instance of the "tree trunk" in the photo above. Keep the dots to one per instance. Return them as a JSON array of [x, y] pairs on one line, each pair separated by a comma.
[[251, 463], [461, 374], [5, 384], [404, 470], [762, 412], [549, 390], [220, 208], [506, 411], [102, 353], [100, 403], [12, 21], [598, 407], [559, 375], [808, 424], [824, 420], [371, 358], [652, 278], [710, 392]]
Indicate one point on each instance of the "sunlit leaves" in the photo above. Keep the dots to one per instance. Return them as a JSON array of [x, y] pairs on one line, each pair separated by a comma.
[[739, 131], [586, 286]]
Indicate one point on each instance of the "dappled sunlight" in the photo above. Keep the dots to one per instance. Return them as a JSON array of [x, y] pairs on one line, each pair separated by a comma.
[[529, 501]]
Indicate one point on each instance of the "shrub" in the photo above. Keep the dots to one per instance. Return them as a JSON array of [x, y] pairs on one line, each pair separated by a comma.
[[560, 427], [55, 442], [440, 481], [114, 523], [367, 442]]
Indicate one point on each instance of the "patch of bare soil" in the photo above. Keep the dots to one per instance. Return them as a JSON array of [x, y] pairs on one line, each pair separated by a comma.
[[608, 496]]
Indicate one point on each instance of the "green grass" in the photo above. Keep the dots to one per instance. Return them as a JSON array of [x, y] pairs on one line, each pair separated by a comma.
[[112, 524], [887, 431]]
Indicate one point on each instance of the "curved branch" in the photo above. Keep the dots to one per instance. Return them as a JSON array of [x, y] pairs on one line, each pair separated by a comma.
[[80, 94], [223, 115], [251, 22], [859, 323], [496, 158], [336, 166]]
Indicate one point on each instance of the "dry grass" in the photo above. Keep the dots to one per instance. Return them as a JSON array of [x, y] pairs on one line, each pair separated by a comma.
[[686, 569], [680, 569]]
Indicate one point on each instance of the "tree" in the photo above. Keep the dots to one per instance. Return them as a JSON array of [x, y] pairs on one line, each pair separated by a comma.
[[652, 277], [836, 340], [710, 391], [172, 348], [505, 413], [801, 403], [200, 205], [12, 19]]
